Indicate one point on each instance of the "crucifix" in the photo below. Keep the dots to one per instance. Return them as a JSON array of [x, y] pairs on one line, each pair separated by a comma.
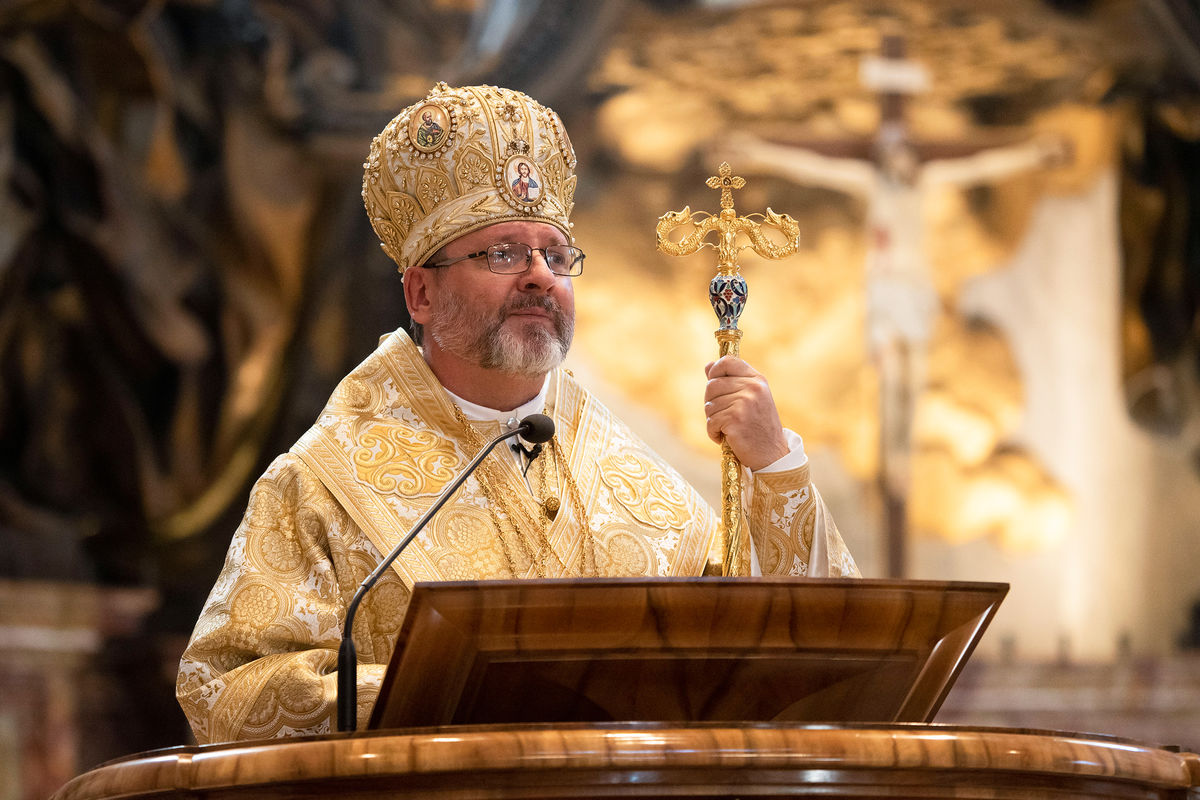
[[727, 292], [894, 174]]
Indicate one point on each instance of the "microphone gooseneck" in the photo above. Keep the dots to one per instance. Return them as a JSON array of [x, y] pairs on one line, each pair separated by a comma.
[[535, 428]]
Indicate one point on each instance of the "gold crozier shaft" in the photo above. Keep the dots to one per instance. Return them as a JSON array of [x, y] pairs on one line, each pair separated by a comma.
[[728, 292]]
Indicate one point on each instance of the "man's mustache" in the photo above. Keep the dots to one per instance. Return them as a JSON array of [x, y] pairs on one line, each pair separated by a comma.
[[547, 304]]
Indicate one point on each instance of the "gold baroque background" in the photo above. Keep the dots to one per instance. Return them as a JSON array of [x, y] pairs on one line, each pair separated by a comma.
[[685, 84], [1006, 482]]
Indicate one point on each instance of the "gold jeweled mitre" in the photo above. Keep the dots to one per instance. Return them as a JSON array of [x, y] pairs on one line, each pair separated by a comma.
[[462, 159]]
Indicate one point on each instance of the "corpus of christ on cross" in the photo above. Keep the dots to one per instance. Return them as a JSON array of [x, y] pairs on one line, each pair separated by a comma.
[[893, 173]]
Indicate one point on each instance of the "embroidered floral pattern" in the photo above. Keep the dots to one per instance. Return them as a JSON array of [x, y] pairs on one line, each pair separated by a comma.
[[397, 459]]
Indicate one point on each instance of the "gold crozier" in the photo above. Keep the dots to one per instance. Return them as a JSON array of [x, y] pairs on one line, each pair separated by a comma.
[[728, 292]]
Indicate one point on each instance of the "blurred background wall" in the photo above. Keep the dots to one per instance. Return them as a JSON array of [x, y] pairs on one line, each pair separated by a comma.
[[186, 271]]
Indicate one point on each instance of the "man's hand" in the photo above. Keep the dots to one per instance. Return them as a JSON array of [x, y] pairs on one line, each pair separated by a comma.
[[740, 410]]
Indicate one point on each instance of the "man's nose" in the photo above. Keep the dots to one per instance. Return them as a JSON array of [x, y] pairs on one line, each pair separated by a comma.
[[538, 276]]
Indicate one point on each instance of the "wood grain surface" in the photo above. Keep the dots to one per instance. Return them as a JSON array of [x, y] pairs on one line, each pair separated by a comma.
[[657, 760], [681, 650]]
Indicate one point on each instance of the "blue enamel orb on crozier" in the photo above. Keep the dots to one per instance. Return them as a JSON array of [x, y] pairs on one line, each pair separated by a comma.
[[728, 293]]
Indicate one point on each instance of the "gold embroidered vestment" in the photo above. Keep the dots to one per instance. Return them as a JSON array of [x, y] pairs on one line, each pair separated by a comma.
[[262, 659]]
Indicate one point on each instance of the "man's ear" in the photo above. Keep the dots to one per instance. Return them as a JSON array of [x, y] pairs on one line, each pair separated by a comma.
[[418, 293]]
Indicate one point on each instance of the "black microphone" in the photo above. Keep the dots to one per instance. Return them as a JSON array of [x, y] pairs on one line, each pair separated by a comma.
[[535, 429], [538, 434]]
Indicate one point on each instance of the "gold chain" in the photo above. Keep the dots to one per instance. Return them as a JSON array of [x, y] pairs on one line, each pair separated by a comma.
[[551, 503], [581, 517], [497, 500]]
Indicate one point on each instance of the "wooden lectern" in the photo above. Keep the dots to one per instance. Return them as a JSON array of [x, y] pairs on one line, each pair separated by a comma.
[[681, 650], [670, 688]]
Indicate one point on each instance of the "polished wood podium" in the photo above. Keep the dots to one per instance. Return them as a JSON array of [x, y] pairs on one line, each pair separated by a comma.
[[670, 688], [656, 760], [682, 650]]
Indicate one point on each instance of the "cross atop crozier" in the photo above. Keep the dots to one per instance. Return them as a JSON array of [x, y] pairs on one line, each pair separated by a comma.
[[726, 181]]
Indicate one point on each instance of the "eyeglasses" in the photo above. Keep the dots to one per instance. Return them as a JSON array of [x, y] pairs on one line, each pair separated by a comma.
[[513, 258]]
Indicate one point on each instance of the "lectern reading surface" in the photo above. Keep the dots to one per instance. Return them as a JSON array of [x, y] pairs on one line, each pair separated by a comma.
[[681, 650]]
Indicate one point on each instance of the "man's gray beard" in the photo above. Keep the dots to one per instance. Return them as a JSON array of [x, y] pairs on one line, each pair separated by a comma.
[[472, 337]]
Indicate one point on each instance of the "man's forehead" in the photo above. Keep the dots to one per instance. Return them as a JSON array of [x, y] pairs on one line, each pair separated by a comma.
[[533, 233]]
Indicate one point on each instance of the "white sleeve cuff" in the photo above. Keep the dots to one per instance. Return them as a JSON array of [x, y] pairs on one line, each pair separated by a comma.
[[795, 458]]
